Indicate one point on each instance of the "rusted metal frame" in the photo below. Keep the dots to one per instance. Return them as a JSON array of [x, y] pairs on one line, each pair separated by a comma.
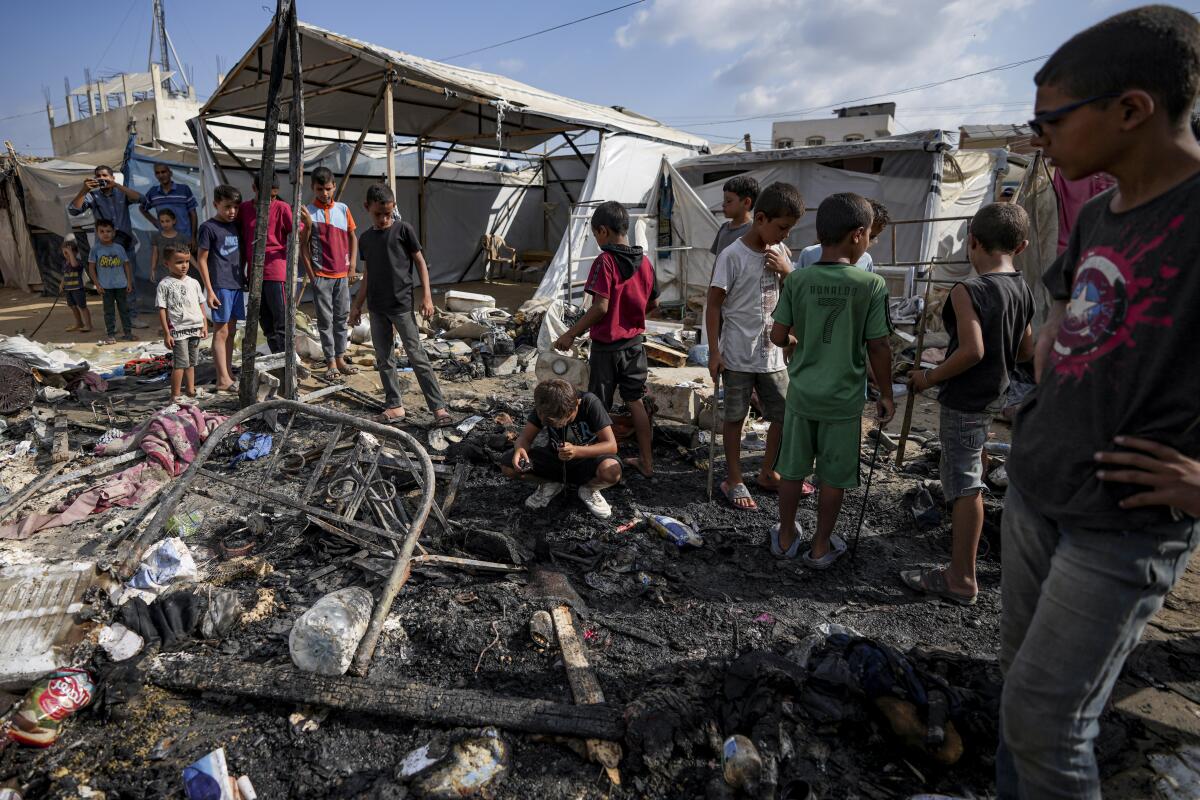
[[310, 69], [922, 221], [320, 468], [364, 483], [296, 174], [276, 449], [233, 112], [362, 137], [509, 134], [180, 486], [329, 527]]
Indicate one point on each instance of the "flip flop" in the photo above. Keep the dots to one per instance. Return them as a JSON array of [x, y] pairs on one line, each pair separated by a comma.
[[443, 421], [837, 548], [437, 439], [933, 582], [777, 548], [738, 492], [395, 419], [349, 370]]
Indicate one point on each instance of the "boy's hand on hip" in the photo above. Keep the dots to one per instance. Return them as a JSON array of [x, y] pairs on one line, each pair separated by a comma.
[[564, 343], [885, 409], [566, 451], [1173, 478]]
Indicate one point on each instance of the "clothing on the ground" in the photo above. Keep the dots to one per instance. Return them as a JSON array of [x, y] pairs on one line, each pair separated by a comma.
[[625, 369], [279, 225], [159, 243], [389, 255], [624, 276], [183, 298], [545, 464], [177, 197], [112, 206], [222, 241], [76, 298], [329, 245], [833, 310], [727, 234], [1072, 196], [751, 294], [232, 308], [828, 448], [331, 298], [110, 265], [384, 340], [272, 314], [1123, 362], [584, 429], [1075, 602], [739, 386], [116, 301], [812, 255], [1004, 305], [186, 352], [962, 435], [72, 276]]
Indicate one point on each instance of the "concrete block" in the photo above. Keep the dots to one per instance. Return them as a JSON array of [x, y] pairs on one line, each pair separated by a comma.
[[679, 392]]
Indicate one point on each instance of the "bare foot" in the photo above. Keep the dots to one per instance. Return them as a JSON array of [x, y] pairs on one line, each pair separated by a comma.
[[636, 463]]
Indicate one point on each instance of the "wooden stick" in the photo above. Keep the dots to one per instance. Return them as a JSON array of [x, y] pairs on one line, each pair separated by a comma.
[[460, 472], [413, 701], [31, 488], [585, 688], [910, 402]]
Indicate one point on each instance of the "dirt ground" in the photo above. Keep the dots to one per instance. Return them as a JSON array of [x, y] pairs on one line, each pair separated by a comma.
[[661, 627]]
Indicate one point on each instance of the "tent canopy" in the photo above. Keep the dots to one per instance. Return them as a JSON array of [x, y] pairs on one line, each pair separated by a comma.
[[431, 100]]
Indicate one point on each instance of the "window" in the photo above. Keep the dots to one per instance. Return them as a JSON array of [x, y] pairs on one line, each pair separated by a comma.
[[782, 144], [813, 141], [852, 137]]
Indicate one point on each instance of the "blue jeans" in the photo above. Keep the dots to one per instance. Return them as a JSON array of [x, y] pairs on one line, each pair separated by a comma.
[[1075, 603]]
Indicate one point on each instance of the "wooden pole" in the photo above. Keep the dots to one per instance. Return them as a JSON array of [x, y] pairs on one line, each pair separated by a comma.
[[421, 192], [383, 87], [296, 173], [911, 401], [266, 172], [390, 136]]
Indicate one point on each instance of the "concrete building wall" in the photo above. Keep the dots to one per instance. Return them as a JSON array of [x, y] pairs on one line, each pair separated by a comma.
[[801, 133]]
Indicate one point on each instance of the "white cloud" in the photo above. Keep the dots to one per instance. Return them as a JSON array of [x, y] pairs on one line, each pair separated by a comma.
[[509, 66], [780, 57]]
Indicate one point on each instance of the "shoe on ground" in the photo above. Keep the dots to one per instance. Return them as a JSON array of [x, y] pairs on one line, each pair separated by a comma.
[[837, 548], [595, 502], [544, 494], [777, 548]]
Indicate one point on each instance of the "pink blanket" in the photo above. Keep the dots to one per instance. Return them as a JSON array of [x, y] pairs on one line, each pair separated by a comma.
[[127, 489], [170, 439]]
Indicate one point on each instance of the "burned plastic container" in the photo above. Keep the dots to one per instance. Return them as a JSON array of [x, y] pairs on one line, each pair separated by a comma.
[[325, 638], [741, 764]]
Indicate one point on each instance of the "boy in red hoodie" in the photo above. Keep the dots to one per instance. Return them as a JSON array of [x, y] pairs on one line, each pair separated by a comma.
[[621, 283]]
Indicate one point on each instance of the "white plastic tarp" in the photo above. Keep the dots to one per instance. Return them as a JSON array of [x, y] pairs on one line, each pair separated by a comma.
[[624, 169], [18, 266], [683, 271], [963, 192]]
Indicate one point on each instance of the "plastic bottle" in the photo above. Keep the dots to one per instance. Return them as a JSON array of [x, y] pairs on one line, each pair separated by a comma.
[[324, 638], [741, 764], [186, 524]]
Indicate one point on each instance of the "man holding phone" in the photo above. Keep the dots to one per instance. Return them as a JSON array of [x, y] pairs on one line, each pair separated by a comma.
[[107, 199]]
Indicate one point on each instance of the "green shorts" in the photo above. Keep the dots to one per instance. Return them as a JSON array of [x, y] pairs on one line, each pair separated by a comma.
[[832, 447]]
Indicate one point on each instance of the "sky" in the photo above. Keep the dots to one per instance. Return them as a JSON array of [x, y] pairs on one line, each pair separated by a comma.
[[717, 68]]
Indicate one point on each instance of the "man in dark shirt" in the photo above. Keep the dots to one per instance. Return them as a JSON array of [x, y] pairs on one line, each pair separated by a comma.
[[988, 319], [390, 249], [580, 449], [1089, 554]]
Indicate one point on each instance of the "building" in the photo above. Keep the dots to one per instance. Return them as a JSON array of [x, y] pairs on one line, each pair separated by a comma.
[[985, 137], [851, 124]]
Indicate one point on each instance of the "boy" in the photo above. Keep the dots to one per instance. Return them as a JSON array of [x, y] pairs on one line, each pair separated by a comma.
[[1088, 555], [988, 319], [181, 314], [390, 249], [108, 264], [174, 197], [107, 199], [72, 287], [330, 254], [224, 280], [837, 316], [272, 313], [812, 254], [621, 283], [742, 296], [739, 195], [165, 235], [581, 448]]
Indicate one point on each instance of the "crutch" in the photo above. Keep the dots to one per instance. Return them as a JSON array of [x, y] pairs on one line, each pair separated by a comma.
[[712, 433]]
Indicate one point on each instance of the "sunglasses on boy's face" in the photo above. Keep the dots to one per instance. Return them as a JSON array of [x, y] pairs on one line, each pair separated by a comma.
[[1057, 114]]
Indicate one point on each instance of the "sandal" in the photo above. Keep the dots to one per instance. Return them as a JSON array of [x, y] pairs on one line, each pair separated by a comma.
[[443, 421], [837, 548], [394, 419], [107, 340], [348, 370], [933, 582], [738, 492], [331, 375], [777, 548]]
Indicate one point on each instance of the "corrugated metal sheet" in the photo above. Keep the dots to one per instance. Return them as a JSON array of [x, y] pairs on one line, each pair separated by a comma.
[[38, 605]]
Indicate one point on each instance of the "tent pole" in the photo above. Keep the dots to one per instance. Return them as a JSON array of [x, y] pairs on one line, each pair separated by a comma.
[[266, 170], [362, 137], [296, 164], [389, 133], [421, 190]]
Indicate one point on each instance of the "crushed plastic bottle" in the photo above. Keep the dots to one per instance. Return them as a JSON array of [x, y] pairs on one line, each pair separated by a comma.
[[674, 531], [325, 638], [185, 524], [741, 764]]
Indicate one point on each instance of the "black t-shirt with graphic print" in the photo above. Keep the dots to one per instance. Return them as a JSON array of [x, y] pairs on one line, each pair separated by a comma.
[[1124, 360], [589, 421]]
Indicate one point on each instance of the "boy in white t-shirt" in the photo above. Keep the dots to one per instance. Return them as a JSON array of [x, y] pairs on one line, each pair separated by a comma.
[[180, 302], [741, 301]]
